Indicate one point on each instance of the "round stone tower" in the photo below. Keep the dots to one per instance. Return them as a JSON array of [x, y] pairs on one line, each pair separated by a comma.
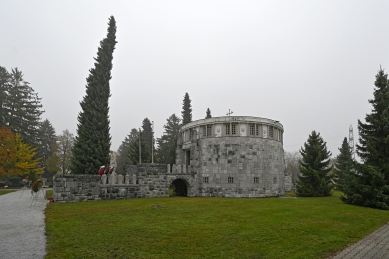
[[232, 156]]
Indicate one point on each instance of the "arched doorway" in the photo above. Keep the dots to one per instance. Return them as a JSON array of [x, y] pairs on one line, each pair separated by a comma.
[[179, 188]]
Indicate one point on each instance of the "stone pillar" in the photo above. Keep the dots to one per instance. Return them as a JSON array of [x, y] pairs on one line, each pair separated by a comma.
[[120, 179], [104, 179], [114, 178], [127, 179], [110, 178], [179, 169], [133, 179], [174, 169], [168, 168], [189, 169], [184, 169]]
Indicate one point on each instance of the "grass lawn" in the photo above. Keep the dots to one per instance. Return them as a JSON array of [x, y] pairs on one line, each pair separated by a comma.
[[207, 228], [2, 192]]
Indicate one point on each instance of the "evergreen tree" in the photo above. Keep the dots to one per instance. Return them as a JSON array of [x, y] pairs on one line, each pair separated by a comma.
[[186, 112], [123, 158], [148, 135], [172, 151], [166, 141], [46, 141], [92, 143], [314, 168], [208, 114], [4, 86], [343, 164], [369, 185], [134, 152], [21, 107]]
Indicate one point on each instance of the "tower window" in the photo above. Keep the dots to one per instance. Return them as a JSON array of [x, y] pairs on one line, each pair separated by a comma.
[[228, 129], [209, 130], [204, 131], [256, 179], [270, 132], [230, 180], [233, 129], [205, 179], [252, 129]]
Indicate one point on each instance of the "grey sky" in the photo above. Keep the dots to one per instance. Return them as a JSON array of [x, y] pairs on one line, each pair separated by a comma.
[[309, 64]]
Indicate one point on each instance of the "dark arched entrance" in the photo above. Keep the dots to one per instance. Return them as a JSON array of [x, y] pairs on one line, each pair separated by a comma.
[[179, 188]]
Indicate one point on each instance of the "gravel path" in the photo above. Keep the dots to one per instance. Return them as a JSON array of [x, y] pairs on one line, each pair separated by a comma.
[[22, 228]]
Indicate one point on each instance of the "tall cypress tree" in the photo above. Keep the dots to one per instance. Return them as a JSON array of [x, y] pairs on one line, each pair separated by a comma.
[[369, 185], [343, 164], [186, 112], [208, 114], [4, 86], [92, 143], [314, 168], [148, 136]]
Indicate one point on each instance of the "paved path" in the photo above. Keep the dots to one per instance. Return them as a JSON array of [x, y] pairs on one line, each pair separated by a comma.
[[22, 228], [374, 246]]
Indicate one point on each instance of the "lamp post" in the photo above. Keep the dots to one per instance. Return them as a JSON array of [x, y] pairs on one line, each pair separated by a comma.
[[152, 142]]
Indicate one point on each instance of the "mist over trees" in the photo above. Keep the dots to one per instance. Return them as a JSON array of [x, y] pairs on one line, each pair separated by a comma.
[[93, 141]]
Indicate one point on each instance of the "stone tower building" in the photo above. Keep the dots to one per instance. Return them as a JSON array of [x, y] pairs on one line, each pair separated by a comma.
[[232, 156]]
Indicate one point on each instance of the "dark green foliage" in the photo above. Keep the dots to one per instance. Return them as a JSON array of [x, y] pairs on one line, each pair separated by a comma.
[[166, 141], [123, 158], [134, 152], [343, 164], [186, 112], [172, 151], [32, 177], [368, 186], [20, 106], [92, 143], [4, 85], [208, 114], [147, 134], [314, 168], [46, 140]]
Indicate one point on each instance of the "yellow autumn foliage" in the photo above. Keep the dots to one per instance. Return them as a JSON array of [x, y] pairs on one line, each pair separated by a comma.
[[16, 157]]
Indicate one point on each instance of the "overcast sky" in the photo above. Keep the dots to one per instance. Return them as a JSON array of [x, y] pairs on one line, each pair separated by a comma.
[[309, 64]]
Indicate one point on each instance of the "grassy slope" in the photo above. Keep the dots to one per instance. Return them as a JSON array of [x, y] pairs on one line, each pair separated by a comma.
[[2, 192], [207, 228]]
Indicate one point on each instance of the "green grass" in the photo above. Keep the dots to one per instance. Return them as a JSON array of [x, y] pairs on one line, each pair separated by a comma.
[[49, 194], [2, 192], [207, 228]]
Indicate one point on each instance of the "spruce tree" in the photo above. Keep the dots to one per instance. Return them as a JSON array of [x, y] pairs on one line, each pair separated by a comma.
[[46, 140], [186, 112], [343, 164], [22, 108], [148, 135], [369, 185], [4, 86], [314, 168], [92, 143], [123, 158], [208, 114], [134, 152], [166, 141]]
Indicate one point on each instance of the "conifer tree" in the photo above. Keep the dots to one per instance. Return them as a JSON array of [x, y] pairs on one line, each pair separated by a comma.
[[208, 114], [166, 141], [47, 140], [343, 164], [4, 85], [148, 135], [21, 107], [92, 143], [123, 158], [186, 112], [369, 185], [134, 152], [314, 168]]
